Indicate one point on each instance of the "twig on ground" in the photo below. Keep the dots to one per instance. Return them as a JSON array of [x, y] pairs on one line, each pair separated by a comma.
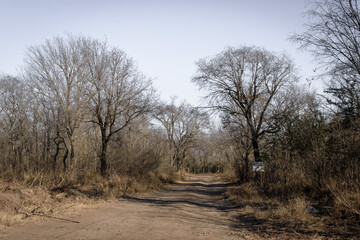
[[43, 215]]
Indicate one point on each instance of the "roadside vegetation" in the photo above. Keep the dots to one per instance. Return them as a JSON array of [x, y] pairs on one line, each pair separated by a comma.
[[81, 122], [309, 143]]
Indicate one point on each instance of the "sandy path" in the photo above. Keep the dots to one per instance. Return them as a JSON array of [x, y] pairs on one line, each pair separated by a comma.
[[192, 209]]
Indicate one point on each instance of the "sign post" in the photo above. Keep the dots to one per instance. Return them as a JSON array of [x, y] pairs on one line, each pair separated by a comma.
[[258, 166]]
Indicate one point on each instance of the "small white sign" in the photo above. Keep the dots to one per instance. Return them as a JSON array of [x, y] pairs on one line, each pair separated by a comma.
[[258, 166]]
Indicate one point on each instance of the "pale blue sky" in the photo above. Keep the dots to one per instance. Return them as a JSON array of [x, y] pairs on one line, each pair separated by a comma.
[[165, 38]]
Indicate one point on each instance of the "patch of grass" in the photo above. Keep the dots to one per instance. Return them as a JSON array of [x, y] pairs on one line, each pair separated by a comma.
[[298, 217], [68, 192], [8, 220]]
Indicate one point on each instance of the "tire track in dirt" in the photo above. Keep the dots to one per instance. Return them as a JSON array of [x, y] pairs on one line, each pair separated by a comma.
[[191, 209]]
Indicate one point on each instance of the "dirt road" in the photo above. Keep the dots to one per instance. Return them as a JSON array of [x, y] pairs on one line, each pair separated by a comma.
[[192, 209]]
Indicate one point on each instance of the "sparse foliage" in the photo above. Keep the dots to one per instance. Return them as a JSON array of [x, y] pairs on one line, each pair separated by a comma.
[[55, 73], [333, 35], [242, 83], [182, 124], [116, 93], [83, 107]]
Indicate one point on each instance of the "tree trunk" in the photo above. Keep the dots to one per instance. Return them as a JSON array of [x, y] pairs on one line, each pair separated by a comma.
[[256, 150], [65, 157], [72, 152], [55, 156], [103, 163], [58, 140], [171, 154], [247, 167]]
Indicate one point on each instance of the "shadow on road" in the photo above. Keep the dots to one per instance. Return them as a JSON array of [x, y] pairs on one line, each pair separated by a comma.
[[193, 193], [206, 195], [169, 202]]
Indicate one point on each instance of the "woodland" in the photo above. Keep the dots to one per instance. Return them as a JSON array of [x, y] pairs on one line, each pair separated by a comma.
[[80, 111]]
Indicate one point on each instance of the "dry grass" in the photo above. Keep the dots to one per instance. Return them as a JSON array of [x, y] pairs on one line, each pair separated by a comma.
[[292, 216], [27, 198], [273, 218], [10, 204], [345, 199], [18, 203], [8, 220], [343, 215]]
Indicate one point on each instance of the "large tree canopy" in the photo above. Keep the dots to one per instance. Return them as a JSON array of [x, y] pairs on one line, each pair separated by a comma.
[[243, 83], [333, 36], [88, 81]]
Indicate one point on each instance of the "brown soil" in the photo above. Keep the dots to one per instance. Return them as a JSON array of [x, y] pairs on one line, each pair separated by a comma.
[[192, 209]]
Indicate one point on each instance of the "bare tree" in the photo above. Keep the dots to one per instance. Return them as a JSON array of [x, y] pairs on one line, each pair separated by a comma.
[[138, 151], [239, 134], [333, 37], [117, 92], [13, 120], [168, 115], [242, 83], [54, 71], [182, 124]]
